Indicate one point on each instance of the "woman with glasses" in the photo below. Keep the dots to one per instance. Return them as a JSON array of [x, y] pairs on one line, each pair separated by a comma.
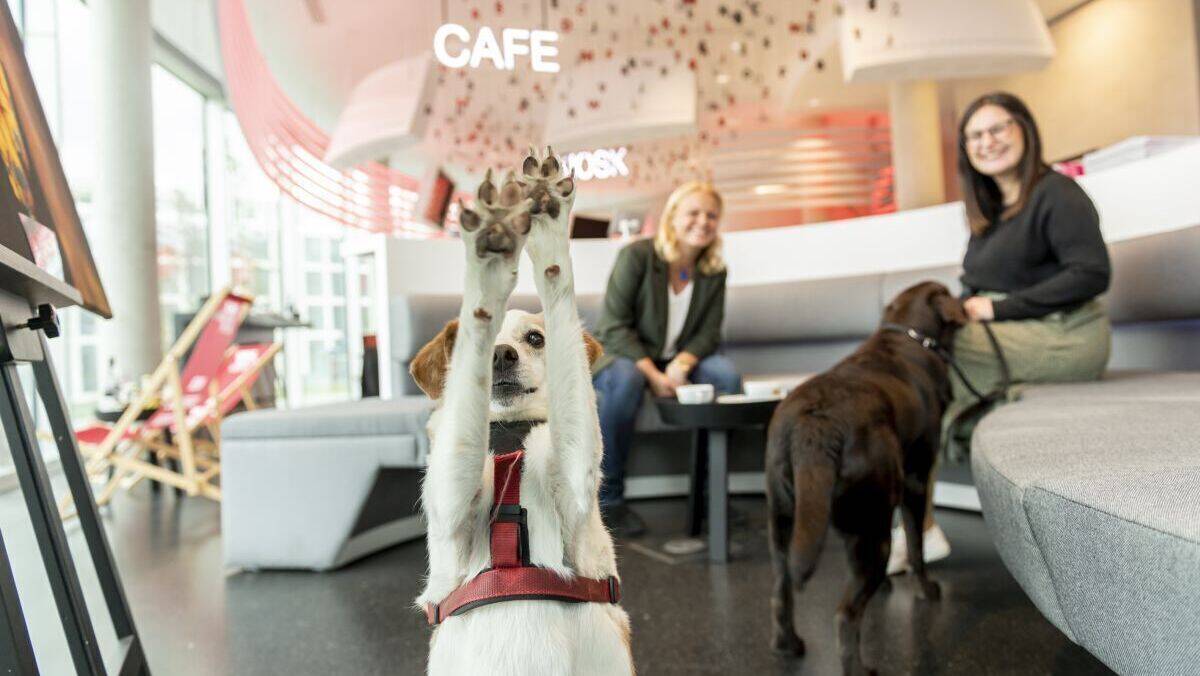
[[1035, 263], [660, 327]]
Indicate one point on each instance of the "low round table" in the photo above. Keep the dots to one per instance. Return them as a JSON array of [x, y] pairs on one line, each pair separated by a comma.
[[712, 422]]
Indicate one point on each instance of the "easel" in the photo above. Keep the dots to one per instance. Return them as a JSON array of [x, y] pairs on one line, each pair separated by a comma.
[[23, 339]]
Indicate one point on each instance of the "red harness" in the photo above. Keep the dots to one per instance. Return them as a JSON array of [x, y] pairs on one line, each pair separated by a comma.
[[511, 576]]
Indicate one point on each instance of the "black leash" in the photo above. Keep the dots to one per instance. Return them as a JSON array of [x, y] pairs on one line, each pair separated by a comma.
[[933, 346]]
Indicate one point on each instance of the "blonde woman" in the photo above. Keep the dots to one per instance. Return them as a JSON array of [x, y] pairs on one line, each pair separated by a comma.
[[660, 327]]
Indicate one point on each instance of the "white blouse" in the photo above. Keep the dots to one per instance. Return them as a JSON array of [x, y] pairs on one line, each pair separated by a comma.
[[677, 310]]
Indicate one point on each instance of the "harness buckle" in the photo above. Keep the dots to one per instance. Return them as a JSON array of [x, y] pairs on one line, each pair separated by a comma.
[[509, 514], [614, 590], [515, 514]]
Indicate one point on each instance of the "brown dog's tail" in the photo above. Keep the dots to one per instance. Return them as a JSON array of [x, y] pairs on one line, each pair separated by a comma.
[[806, 454]]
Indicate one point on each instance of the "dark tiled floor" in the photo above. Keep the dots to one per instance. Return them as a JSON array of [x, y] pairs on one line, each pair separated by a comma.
[[688, 617]]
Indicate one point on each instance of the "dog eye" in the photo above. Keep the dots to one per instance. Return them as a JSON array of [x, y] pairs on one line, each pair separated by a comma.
[[535, 339]]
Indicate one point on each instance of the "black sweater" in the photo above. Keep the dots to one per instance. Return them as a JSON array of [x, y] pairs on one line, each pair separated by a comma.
[[1049, 256]]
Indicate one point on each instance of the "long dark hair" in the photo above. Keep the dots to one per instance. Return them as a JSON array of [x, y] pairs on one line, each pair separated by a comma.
[[985, 204]]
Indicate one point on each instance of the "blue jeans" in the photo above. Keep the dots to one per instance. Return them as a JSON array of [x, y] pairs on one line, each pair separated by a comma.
[[619, 390]]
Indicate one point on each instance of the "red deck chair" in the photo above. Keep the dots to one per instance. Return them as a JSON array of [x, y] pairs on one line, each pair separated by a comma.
[[239, 369], [185, 396]]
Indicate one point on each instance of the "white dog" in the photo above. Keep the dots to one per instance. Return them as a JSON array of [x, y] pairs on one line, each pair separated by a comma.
[[523, 381]]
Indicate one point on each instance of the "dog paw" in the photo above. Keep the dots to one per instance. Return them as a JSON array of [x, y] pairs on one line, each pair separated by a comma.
[[928, 590], [499, 222], [788, 643], [549, 186]]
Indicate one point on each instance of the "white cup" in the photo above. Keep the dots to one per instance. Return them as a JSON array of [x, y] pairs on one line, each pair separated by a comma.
[[764, 388], [695, 394]]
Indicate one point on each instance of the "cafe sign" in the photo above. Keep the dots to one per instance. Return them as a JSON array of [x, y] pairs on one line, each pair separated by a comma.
[[454, 48]]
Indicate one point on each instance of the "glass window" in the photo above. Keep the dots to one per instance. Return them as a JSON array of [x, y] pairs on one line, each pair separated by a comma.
[[251, 215], [263, 282], [316, 316], [320, 367], [179, 185], [312, 250], [312, 284], [212, 197], [88, 368]]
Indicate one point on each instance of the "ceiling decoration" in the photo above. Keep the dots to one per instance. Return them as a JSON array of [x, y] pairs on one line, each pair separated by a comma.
[[942, 39], [661, 98], [384, 113], [761, 69], [289, 146], [743, 60]]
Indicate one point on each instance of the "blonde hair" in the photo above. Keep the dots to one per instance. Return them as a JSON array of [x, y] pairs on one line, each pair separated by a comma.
[[710, 260]]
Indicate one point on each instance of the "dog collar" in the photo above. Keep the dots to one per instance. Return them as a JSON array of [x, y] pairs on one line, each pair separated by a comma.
[[926, 342], [946, 356]]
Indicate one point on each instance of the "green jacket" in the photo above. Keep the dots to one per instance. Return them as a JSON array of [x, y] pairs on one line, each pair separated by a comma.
[[633, 322]]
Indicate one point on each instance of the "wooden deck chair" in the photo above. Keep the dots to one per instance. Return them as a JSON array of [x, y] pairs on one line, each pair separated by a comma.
[[239, 369], [209, 336]]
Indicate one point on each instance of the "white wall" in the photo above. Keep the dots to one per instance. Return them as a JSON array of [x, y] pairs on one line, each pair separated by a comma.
[[1123, 68]]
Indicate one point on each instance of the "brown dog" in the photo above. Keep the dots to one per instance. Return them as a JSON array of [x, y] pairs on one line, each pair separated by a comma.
[[849, 446]]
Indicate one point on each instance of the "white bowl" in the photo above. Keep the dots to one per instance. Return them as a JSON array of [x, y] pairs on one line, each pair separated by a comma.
[[764, 388], [695, 394]]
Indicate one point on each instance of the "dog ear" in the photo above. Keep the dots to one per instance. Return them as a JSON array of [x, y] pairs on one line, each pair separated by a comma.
[[593, 346], [950, 309], [429, 367]]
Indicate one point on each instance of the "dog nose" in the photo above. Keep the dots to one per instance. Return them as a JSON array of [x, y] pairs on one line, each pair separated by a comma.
[[504, 357]]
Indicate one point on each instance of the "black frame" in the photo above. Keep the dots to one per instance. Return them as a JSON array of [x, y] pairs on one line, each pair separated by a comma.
[[21, 343]]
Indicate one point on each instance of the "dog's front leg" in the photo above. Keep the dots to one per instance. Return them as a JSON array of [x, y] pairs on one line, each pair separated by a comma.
[[574, 426], [494, 234]]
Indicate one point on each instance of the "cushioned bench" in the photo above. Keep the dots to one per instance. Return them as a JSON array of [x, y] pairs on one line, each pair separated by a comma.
[[1092, 495], [824, 319], [319, 487]]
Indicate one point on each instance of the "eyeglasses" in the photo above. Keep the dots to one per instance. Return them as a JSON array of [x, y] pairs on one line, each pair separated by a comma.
[[997, 131]]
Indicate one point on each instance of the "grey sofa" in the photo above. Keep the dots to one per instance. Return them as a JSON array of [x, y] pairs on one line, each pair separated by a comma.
[[1092, 494], [318, 487]]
